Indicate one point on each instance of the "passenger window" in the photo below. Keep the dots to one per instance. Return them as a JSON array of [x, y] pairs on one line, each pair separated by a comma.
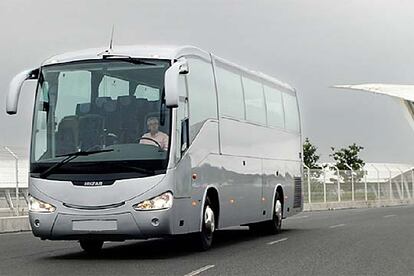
[[147, 92], [254, 101], [113, 87], [201, 93], [230, 92], [291, 112], [274, 106]]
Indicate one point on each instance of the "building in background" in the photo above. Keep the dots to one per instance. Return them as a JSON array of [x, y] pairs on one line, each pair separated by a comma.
[[405, 93]]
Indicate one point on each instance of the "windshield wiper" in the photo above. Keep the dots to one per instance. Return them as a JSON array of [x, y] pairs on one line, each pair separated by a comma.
[[138, 61], [69, 157], [137, 169], [127, 59]]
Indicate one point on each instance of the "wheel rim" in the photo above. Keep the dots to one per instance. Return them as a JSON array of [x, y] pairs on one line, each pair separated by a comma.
[[209, 220], [278, 211]]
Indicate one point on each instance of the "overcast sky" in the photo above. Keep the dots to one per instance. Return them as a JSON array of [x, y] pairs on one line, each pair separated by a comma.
[[309, 44]]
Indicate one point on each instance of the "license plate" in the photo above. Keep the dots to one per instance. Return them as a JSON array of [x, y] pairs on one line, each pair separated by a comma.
[[94, 225]]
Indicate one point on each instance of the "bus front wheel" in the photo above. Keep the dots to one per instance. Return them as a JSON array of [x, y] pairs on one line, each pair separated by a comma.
[[91, 246], [204, 238]]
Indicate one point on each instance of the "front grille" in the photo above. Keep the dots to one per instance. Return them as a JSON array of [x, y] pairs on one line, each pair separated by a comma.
[[101, 207], [297, 198]]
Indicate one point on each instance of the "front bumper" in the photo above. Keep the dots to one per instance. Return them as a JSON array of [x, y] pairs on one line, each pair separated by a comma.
[[109, 225]]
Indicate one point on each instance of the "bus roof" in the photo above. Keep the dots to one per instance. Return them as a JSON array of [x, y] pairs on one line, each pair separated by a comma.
[[154, 51]]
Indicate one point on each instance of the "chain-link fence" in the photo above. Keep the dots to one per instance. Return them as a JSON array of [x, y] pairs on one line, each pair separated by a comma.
[[385, 182]]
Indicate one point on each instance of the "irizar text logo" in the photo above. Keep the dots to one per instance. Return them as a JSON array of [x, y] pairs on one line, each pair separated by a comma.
[[93, 183]]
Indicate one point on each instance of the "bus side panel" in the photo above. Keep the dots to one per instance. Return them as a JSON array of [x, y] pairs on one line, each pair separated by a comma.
[[239, 138], [240, 182], [196, 163]]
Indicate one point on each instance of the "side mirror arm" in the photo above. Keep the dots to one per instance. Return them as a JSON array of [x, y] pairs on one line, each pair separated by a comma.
[[15, 88]]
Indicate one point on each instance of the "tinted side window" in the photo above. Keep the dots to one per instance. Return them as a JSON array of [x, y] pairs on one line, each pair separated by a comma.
[[230, 92], [274, 106], [113, 87], [201, 93], [147, 92], [254, 101], [291, 112]]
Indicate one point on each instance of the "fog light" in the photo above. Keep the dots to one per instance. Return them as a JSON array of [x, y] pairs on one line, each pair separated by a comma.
[[36, 223], [155, 222]]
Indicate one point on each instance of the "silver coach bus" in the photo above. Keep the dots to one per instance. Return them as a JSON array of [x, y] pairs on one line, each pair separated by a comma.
[[142, 142]]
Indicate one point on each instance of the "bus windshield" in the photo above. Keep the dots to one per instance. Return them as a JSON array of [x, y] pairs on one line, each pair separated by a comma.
[[113, 105]]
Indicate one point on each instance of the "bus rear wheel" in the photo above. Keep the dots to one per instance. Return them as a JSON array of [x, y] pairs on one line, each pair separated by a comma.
[[204, 239], [275, 225], [91, 247]]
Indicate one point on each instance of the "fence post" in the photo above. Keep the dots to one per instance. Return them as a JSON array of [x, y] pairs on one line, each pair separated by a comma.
[[402, 182], [365, 185], [352, 182], [339, 183], [16, 158], [412, 182], [390, 182], [309, 183], [324, 184], [378, 182]]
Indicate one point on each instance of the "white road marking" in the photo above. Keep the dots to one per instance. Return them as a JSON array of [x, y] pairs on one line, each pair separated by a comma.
[[389, 216], [273, 242], [336, 226], [198, 271]]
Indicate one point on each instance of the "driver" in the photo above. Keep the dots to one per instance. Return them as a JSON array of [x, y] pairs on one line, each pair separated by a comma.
[[159, 136]]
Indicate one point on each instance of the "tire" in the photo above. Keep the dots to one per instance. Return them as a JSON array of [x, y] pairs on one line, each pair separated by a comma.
[[204, 239], [273, 226], [92, 247]]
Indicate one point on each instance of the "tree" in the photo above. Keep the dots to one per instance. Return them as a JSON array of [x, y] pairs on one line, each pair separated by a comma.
[[313, 175], [348, 156], [310, 158]]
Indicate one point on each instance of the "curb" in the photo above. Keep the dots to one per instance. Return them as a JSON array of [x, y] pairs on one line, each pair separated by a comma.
[[14, 224], [309, 207]]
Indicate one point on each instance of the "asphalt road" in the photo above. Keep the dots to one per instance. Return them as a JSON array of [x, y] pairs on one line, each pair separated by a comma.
[[345, 242]]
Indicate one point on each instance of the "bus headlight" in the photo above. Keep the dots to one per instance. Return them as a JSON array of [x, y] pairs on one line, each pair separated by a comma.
[[39, 206], [160, 202]]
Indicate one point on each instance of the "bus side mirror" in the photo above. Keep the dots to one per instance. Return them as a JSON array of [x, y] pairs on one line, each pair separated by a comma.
[[15, 88], [171, 82]]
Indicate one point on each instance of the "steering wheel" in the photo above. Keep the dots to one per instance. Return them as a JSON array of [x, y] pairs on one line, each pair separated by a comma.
[[152, 140]]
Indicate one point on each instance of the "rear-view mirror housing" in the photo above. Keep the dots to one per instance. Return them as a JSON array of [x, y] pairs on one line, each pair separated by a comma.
[[15, 87], [171, 82]]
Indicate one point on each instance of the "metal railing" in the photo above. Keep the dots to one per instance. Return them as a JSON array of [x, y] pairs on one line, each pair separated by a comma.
[[13, 179], [371, 183]]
